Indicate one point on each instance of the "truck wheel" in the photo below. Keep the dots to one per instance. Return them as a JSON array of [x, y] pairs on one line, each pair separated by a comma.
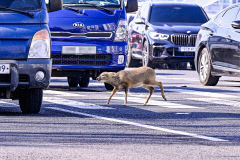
[[205, 68], [108, 87], [84, 81], [73, 82], [30, 100]]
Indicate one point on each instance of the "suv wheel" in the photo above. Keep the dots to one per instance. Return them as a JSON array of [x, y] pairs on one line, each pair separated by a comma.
[[30, 100], [73, 82], [204, 69], [130, 61], [84, 81], [145, 56]]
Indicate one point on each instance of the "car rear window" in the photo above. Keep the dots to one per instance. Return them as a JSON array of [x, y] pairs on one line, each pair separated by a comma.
[[24, 5], [177, 14]]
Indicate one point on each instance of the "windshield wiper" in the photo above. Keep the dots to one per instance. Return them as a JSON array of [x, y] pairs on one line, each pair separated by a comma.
[[18, 11], [73, 9], [96, 6]]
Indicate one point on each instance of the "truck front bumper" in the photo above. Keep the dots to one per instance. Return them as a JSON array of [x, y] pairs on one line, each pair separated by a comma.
[[23, 74]]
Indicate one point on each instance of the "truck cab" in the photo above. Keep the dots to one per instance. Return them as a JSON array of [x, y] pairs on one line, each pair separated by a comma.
[[88, 38], [25, 62]]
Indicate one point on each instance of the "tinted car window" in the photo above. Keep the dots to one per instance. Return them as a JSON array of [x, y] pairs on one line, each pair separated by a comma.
[[229, 17], [177, 14], [24, 5]]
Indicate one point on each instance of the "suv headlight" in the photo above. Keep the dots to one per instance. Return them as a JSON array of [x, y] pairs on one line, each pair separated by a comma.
[[121, 33], [155, 35], [40, 46]]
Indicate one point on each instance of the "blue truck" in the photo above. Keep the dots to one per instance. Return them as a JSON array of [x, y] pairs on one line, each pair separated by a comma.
[[88, 38], [25, 62]]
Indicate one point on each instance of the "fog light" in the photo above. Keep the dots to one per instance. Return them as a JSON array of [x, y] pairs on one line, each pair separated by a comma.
[[120, 59], [39, 76]]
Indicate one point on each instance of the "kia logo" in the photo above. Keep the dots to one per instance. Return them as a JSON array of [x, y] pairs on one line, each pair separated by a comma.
[[78, 25]]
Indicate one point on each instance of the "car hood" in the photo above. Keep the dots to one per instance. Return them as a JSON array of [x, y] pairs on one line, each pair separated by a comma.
[[177, 28]]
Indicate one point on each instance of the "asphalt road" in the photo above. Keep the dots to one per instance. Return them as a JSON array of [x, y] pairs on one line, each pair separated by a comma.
[[196, 122]]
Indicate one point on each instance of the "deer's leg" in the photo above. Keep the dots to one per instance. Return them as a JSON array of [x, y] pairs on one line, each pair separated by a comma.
[[113, 92], [151, 90], [126, 92], [161, 87]]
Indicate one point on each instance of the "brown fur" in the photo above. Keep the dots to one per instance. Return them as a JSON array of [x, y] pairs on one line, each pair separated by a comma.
[[140, 77]]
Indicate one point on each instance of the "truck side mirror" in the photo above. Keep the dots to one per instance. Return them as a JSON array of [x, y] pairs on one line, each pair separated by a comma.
[[132, 6], [54, 5]]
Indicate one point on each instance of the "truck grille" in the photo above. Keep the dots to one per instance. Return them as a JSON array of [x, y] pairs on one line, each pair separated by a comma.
[[86, 35], [99, 59], [183, 39]]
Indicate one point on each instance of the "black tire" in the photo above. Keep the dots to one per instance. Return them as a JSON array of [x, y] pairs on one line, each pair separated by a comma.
[[108, 87], [30, 100], [146, 61], [84, 81], [130, 61], [205, 68], [73, 82]]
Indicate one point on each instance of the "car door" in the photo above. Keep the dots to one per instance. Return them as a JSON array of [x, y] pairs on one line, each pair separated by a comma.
[[220, 43], [234, 35]]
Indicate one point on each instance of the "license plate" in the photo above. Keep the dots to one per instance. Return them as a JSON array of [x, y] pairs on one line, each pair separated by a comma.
[[187, 49], [79, 50], [4, 68]]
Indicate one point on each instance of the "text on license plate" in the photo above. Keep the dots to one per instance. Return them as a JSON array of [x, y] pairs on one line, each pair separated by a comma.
[[187, 49], [4, 68], [79, 50]]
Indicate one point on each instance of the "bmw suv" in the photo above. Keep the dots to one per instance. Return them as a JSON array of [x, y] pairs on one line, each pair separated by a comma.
[[165, 34]]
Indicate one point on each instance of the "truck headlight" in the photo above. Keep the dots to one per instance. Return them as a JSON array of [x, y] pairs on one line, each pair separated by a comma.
[[155, 35], [40, 46], [121, 33]]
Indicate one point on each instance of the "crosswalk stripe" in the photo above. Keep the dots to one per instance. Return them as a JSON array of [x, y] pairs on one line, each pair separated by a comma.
[[73, 103], [218, 101], [160, 103], [202, 93], [62, 93]]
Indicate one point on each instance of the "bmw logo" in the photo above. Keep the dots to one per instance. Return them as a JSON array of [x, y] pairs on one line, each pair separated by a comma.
[[78, 25], [189, 32]]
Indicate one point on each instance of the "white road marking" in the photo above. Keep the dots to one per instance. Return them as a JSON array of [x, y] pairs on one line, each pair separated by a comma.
[[161, 77], [61, 93], [74, 104], [218, 101], [140, 125], [8, 104], [160, 103], [202, 93]]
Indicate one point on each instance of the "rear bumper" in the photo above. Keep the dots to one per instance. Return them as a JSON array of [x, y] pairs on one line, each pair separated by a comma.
[[22, 74]]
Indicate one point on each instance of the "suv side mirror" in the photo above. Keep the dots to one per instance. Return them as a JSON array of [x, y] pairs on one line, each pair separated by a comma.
[[236, 24], [132, 6], [139, 21], [54, 5]]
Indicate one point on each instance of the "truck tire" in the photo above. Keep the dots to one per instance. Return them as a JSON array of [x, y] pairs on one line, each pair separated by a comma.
[[84, 81], [30, 100], [108, 87], [73, 82]]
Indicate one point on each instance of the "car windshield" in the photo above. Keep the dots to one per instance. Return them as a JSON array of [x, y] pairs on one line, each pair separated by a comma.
[[23, 5], [102, 3], [177, 14]]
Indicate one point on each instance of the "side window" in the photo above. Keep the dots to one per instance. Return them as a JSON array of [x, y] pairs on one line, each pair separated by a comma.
[[229, 17]]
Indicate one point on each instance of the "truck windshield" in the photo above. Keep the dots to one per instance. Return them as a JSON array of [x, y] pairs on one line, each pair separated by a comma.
[[102, 3], [23, 5], [177, 14]]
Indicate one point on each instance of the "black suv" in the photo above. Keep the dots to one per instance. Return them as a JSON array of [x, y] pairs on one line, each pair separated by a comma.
[[164, 33], [218, 47]]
